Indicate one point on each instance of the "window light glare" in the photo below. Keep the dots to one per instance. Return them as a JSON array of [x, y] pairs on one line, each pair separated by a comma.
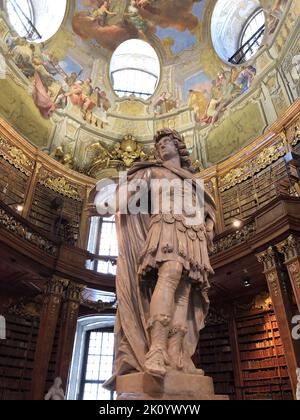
[[135, 69]]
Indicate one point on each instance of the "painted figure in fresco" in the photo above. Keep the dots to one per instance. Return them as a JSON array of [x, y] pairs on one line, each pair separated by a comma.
[[99, 97], [100, 14], [296, 67], [245, 78], [163, 270], [80, 96], [135, 17], [199, 102]]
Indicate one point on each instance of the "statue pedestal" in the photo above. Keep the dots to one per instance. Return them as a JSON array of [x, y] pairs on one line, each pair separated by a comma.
[[175, 386]]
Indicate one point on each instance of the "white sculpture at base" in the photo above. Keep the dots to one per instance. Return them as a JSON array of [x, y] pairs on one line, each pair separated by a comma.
[[298, 386], [56, 393]]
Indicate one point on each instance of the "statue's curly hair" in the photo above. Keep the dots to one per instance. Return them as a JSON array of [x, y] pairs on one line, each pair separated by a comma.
[[179, 142]]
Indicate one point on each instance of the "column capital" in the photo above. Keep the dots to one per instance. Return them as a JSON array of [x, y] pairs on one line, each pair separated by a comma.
[[74, 292], [268, 258], [290, 248], [56, 286]]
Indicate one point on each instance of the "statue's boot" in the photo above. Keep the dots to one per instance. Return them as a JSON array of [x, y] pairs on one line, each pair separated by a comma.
[[175, 346], [176, 352], [157, 358]]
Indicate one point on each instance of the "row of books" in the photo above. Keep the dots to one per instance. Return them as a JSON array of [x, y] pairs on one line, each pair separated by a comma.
[[260, 354], [265, 363], [266, 374], [261, 344]]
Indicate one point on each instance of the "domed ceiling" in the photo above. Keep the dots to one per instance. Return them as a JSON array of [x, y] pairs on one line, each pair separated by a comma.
[[68, 82]]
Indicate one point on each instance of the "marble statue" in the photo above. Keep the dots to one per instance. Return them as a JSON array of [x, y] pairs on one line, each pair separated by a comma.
[[298, 386], [163, 270], [56, 393]]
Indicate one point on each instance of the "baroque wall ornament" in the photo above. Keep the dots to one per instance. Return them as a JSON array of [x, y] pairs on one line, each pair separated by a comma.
[[13, 225], [122, 156], [273, 283], [59, 185], [290, 248], [15, 157], [295, 273], [257, 164], [236, 238], [269, 258]]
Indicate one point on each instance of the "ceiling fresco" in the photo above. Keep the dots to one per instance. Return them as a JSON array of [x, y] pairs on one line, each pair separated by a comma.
[[110, 23], [68, 76]]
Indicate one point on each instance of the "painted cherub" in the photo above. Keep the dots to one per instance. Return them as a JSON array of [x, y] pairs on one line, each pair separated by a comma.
[[100, 14]]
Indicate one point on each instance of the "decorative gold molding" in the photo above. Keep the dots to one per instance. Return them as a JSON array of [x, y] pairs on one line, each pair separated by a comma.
[[59, 185], [122, 156], [13, 225], [295, 273], [273, 283], [268, 258], [290, 248], [56, 286], [296, 136], [16, 157], [74, 292], [236, 238], [258, 163]]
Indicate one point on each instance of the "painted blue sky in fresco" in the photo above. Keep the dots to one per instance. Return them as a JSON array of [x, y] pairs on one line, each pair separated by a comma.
[[182, 40], [199, 81]]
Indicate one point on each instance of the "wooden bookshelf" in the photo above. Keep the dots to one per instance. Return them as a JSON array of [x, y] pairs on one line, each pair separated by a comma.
[[47, 218], [16, 358], [244, 199], [13, 184], [214, 356], [264, 369]]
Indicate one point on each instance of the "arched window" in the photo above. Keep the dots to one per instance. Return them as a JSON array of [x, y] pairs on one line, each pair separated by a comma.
[[135, 69], [252, 35], [93, 358], [36, 20], [237, 29], [103, 244]]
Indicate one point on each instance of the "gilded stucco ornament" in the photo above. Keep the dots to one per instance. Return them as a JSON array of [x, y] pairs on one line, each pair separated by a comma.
[[233, 239], [13, 225], [258, 163], [122, 156], [61, 186], [15, 156]]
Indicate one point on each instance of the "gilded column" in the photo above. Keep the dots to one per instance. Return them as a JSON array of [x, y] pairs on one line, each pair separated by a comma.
[[280, 294], [30, 190], [220, 214], [68, 324], [290, 248], [48, 322]]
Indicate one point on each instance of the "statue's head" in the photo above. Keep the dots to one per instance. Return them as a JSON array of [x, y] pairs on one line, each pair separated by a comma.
[[169, 143]]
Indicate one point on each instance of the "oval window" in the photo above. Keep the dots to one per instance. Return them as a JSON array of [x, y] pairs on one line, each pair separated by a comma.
[[135, 69]]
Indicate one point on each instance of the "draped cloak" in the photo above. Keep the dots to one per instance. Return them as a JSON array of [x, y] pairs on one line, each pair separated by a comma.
[[132, 341]]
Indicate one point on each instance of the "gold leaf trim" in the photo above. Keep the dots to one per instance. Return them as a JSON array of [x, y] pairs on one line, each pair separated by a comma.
[[257, 164], [15, 157], [61, 186]]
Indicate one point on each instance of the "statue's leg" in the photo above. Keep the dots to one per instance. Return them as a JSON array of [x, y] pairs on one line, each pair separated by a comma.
[[178, 327], [161, 312]]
